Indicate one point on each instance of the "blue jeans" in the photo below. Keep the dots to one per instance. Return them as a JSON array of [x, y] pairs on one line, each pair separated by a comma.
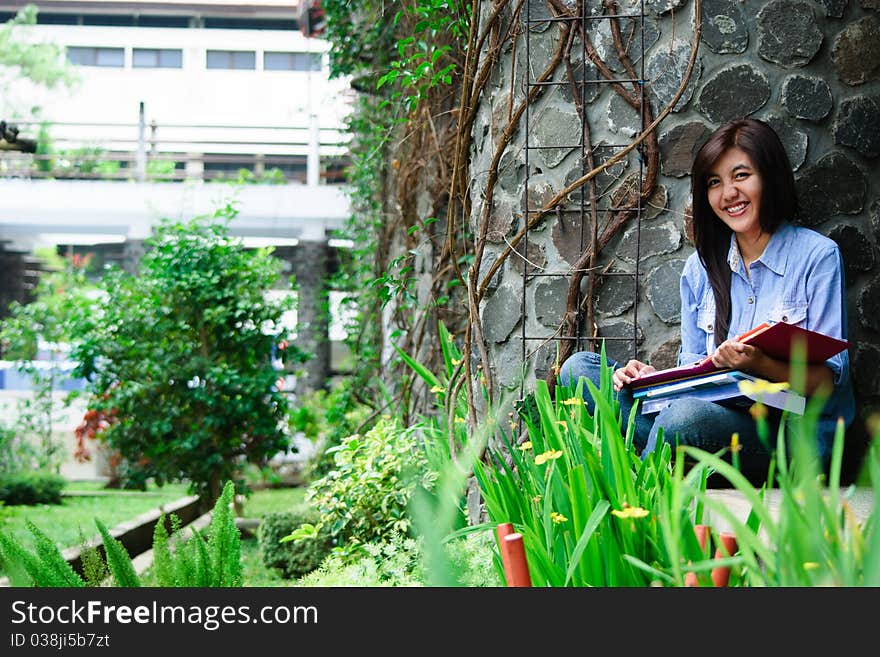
[[695, 422]]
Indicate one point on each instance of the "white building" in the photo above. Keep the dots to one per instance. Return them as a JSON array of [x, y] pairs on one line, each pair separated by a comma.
[[176, 91]]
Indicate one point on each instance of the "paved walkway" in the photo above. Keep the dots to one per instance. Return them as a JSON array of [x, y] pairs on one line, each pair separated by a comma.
[[860, 501]]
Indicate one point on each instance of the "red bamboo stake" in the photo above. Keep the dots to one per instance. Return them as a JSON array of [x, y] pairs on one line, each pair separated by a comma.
[[501, 531], [721, 575], [512, 544], [702, 532]]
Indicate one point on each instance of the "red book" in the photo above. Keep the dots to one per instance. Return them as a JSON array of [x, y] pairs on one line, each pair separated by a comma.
[[776, 340]]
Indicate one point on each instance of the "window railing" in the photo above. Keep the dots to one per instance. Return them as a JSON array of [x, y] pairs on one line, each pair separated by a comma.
[[177, 152]]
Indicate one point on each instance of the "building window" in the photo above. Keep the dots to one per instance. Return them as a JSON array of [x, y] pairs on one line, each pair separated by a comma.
[[292, 61], [156, 58], [236, 59], [88, 56]]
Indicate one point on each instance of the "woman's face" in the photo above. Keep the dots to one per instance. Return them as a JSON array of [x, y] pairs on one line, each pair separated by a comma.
[[734, 190]]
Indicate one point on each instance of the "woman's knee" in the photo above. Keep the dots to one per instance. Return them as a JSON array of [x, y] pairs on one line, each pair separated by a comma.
[[581, 364]]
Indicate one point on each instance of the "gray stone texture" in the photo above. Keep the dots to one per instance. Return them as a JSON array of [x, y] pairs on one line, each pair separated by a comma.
[[832, 186], [660, 280], [486, 263], [666, 355], [654, 239], [866, 369], [732, 93], [806, 97], [725, 30], [856, 52], [858, 125], [867, 304], [855, 249], [616, 295], [875, 219], [630, 28], [666, 69], [550, 293], [660, 7], [604, 180], [568, 232], [678, 147], [501, 313], [621, 347], [502, 222], [834, 8], [794, 140], [622, 118], [587, 92], [557, 131], [788, 33], [511, 171], [530, 258]]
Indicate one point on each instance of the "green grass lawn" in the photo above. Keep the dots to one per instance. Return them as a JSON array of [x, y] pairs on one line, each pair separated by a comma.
[[269, 500], [73, 520]]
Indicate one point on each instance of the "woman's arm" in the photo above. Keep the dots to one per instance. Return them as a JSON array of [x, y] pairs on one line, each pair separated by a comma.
[[740, 356]]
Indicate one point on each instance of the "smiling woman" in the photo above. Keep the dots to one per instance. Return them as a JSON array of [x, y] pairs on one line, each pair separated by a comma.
[[752, 264]]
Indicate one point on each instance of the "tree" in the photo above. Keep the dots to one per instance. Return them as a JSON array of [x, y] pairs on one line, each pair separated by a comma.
[[181, 358], [42, 64]]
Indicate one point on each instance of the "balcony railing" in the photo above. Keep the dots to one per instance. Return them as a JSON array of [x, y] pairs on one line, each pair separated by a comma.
[[175, 152]]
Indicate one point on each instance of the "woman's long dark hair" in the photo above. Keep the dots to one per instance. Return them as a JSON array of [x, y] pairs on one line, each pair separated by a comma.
[[778, 201]]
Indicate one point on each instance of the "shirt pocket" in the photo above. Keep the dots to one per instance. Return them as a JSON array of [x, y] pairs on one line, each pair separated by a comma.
[[790, 311]]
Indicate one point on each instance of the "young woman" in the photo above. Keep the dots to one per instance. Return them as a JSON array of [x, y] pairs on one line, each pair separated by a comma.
[[751, 265]]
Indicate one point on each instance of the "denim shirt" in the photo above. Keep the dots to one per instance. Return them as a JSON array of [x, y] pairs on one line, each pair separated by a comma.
[[798, 279]]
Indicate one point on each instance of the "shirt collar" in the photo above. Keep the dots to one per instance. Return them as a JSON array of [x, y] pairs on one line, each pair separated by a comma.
[[775, 253]]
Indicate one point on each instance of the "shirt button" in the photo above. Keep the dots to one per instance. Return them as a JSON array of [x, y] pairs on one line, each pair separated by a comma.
[[710, 327], [785, 318], [751, 300]]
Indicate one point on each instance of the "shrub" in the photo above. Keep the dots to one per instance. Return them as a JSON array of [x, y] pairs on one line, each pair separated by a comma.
[[364, 498], [38, 487], [292, 559]]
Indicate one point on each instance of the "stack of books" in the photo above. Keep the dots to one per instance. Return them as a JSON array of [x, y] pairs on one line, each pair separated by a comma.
[[703, 380], [716, 386]]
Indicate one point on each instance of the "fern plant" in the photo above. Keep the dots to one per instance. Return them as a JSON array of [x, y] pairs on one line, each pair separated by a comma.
[[205, 560]]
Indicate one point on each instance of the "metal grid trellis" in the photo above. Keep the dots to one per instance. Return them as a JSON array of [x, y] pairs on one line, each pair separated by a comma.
[[586, 218]]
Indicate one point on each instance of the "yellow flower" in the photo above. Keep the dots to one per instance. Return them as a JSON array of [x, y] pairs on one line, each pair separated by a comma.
[[547, 456], [761, 387], [561, 423], [573, 401], [537, 499], [460, 420], [456, 361], [438, 389], [630, 512], [734, 443], [811, 565], [557, 517], [758, 411], [526, 445]]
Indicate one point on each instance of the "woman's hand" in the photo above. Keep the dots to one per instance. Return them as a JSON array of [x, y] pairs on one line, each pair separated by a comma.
[[737, 356], [632, 370]]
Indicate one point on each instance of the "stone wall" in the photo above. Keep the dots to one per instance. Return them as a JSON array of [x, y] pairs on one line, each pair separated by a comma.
[[810, 68]]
